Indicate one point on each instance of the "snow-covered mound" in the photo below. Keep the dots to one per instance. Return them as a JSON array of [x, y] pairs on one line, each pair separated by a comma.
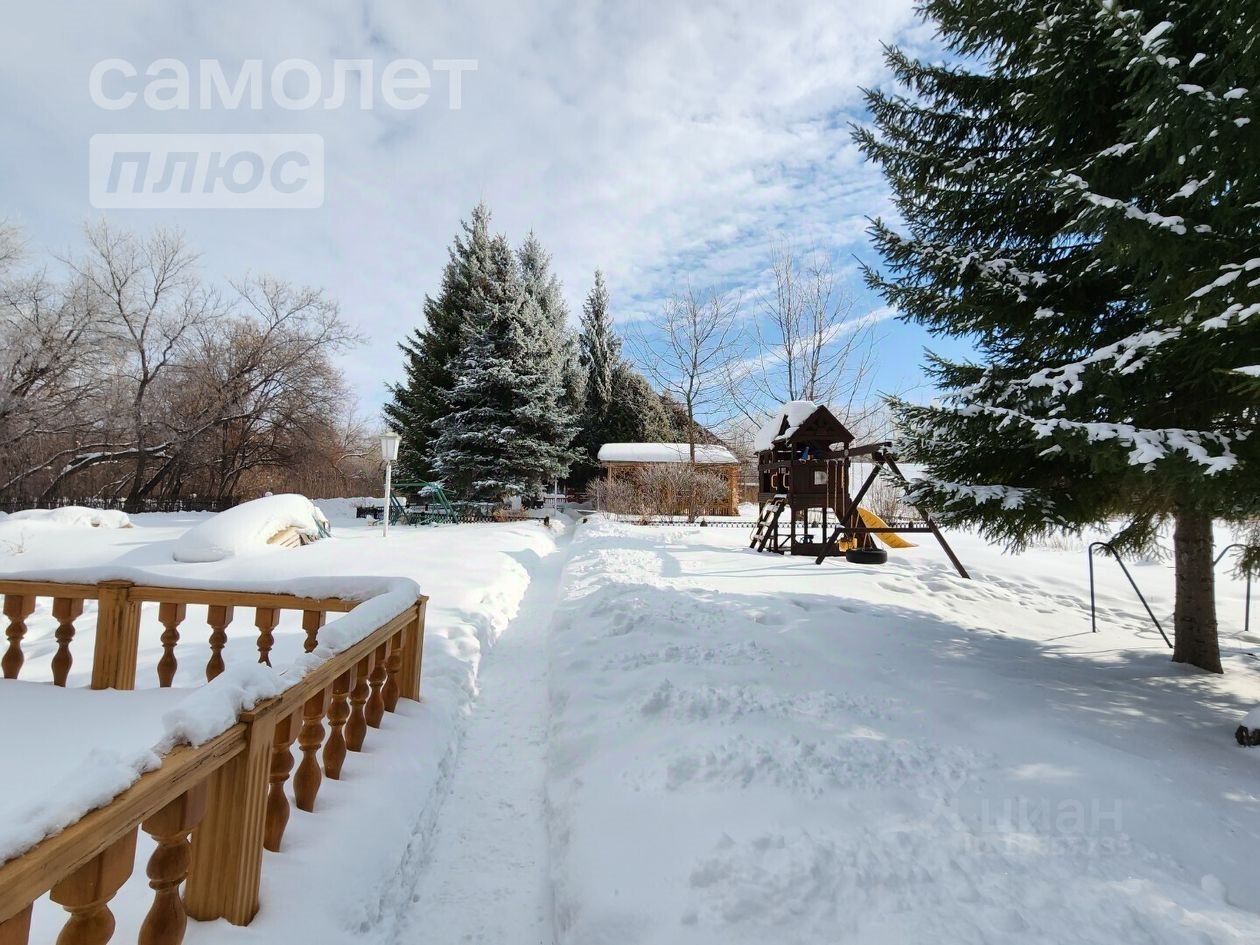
[[75, 515], [250, 526]]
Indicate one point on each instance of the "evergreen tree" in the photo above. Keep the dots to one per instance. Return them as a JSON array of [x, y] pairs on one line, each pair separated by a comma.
[[504, 431], [431, 352], [635, 412], [473, 449], [1080, 200], [600, 357], [548, 362]]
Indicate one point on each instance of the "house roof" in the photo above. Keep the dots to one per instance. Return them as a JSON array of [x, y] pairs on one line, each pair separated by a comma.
[[795, 415], [664, 453]]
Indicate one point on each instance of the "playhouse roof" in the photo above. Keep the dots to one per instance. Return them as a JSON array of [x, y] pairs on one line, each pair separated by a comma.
[[664, 453], [788, 421]]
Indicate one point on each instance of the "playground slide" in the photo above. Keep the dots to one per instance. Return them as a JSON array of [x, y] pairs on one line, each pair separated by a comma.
[[874, 521]]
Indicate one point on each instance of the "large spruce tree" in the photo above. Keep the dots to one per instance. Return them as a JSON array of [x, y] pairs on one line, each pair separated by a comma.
[[430, 353], [1079, 190], [505, 431]]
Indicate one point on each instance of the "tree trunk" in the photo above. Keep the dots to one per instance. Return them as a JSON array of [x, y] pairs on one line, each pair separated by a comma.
[[1194, 619]]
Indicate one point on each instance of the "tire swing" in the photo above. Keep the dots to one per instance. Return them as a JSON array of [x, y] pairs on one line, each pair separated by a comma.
[[866, 556]]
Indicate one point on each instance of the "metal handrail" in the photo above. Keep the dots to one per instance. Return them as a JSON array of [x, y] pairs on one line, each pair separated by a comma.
[[1093, 619], [1247, 599]]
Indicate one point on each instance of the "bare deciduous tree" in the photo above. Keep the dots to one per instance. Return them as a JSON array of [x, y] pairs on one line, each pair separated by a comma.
[[808, 343], [132, 379], [688, 349]]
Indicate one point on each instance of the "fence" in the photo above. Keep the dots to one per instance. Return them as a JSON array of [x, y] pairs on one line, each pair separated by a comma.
[[214, 808], [147, 505]]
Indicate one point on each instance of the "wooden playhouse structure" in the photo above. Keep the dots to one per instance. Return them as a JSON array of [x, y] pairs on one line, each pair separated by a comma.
[[805, 459]]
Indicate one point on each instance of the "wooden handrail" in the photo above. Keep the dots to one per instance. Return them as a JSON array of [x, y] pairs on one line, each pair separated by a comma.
[[117, 623], [215, 806]]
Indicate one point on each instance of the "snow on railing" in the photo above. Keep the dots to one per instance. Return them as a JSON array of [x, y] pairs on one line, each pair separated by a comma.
[[213, 795]]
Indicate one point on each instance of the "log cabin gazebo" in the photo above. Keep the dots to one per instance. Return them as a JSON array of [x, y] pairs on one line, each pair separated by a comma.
[[621, 460]]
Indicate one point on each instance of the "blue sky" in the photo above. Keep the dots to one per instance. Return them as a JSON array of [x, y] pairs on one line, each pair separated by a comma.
[[659, 141]]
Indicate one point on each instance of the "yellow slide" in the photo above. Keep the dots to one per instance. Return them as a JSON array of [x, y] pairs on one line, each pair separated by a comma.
[[874, 521]]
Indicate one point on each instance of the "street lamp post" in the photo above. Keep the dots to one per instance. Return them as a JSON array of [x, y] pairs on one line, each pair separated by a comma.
[[389, 453]]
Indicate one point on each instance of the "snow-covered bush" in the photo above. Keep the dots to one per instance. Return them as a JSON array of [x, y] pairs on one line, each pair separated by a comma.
[[661, 489], [250, 527]]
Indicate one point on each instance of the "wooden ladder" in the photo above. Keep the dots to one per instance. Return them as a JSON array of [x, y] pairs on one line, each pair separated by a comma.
[[768, 523]]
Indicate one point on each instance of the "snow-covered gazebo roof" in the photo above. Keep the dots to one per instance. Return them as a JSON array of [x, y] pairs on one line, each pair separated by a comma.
[[665, 453]]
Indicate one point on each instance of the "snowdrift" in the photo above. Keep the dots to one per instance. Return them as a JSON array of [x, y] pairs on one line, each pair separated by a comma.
[[251, 526], [73, 515]]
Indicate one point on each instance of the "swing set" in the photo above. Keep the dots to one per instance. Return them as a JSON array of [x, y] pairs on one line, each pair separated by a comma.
[[805, 470]]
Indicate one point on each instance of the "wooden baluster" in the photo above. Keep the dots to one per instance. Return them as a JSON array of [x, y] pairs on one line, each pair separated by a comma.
[[265, 619], [16, 930], [66, 610], [338, 715], [307, 780], [312, 623], [218, 616], [277, 799], [168, 866], [17, 607], [375, 710], [86, 893], [356, 727], [170, 615], [393, 663]]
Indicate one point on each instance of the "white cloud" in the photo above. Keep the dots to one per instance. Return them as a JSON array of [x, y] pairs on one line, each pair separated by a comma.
[[652, 139]]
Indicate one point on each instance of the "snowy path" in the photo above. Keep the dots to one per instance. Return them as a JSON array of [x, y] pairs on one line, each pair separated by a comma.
[[487, 877]]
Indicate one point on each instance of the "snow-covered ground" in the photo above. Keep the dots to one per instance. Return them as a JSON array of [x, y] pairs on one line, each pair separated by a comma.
[[677, 740], [751, 749]]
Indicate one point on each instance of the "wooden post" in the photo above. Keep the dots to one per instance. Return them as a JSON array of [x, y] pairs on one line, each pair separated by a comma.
[[312, 621], [66, 610], [338, 714], [356, 726], [375, 709], [16, 930], [218, 616], [117, 637], [227, 848], [393, 663], [308, 778], [17, 607], [168, 866], [170, 615], [265, 619], [277, 817], [86, 893], [413, 654]]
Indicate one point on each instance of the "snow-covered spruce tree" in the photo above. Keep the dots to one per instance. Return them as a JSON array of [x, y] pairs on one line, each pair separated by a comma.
[[502, 433], [601, 355], [430, 353], [546, 416], [1080, 200]]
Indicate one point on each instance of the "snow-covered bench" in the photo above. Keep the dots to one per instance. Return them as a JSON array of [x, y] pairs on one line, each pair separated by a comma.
[[203, 769]]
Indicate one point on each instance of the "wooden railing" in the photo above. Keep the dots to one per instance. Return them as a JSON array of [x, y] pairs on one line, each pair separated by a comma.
[[118, 625], [214, 808]]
